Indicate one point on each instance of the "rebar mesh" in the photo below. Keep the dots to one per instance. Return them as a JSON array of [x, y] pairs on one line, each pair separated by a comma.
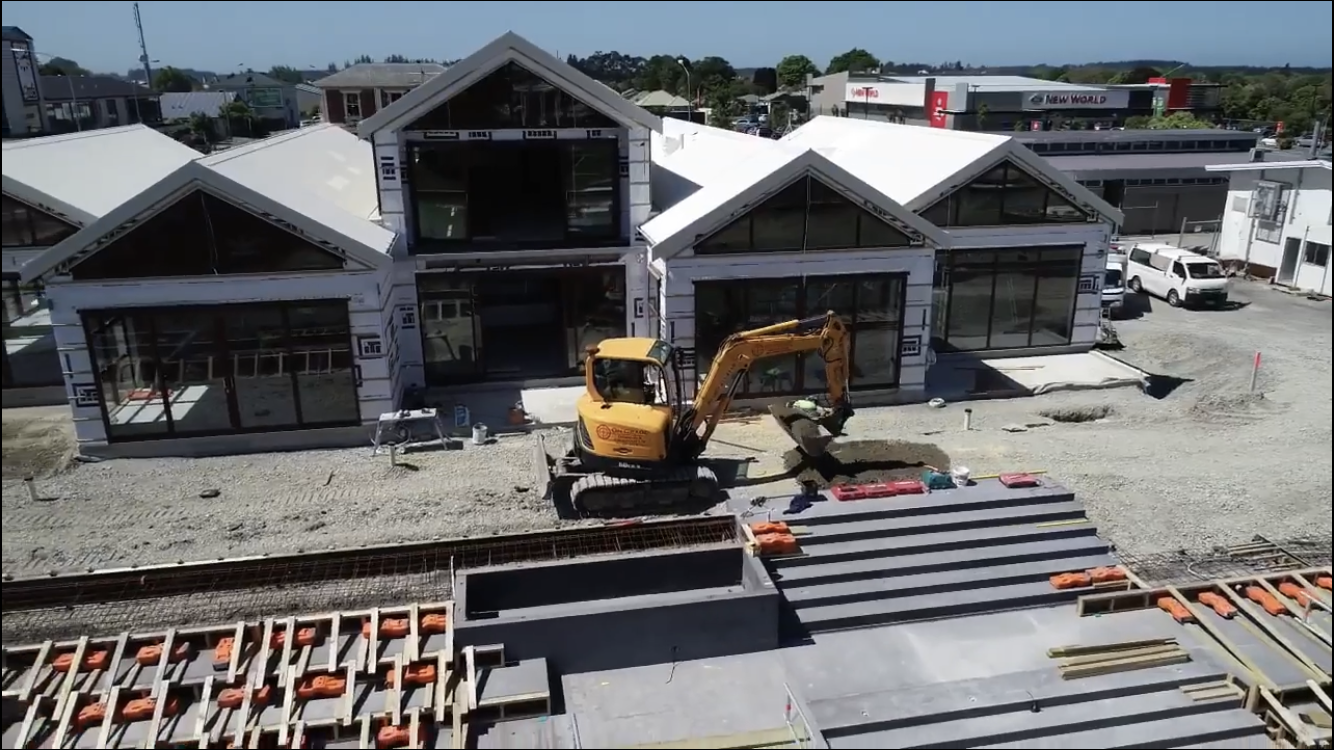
[[1259, 556], [357, 579]]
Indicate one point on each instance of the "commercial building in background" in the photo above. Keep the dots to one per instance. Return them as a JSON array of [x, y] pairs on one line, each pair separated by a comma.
[[274, 102], [1277, 223], [76, 103], [1002, 102], [357, 92], [24, 108]]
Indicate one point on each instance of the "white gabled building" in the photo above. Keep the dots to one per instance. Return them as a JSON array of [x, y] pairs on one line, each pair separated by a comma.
[[1278, 221], [921, 238], [238, 303]]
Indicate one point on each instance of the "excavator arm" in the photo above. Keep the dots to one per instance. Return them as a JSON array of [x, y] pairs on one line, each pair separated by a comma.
[[739, 352]]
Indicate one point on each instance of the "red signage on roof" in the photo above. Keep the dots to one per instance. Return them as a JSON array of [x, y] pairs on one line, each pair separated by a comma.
[[939, 103], [865, 92]]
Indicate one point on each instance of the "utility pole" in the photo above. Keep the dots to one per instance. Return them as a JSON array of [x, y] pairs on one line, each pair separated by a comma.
[[144, 59]]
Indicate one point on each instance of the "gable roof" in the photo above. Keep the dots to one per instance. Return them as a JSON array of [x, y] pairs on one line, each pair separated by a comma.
[[509, 47], [918, 166], [314, 179], [389, 75], [63, 88], [180, 105], [750, 181], [53, 173], [15, 34], [249, 79]]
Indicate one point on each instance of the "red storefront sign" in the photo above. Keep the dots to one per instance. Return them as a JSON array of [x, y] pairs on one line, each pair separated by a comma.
[[939, 102], [866, 92]]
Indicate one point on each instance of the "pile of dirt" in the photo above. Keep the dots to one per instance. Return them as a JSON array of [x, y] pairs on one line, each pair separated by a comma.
[[860, 461], [801, 428]]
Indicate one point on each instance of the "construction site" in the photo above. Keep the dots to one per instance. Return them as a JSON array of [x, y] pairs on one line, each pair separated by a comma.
[[863, 590]]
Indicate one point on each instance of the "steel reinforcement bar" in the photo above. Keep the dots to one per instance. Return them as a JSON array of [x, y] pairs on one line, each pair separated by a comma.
[[235, 574]]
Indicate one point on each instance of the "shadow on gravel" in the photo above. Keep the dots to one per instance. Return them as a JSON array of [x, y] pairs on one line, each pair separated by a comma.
[[1229, 306]]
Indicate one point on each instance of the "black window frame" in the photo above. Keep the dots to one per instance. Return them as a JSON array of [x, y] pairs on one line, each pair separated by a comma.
[[100, 266], [1315, 253], [616, 237], [740, 290], [945, 211], [811, 185], [105, 316], [1001, 262], [31, 214], [526, 101]]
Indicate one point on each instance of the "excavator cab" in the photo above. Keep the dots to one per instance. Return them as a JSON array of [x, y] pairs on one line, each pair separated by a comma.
[[631, 402]]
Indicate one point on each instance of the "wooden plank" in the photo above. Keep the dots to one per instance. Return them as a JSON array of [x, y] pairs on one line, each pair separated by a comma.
[[65, 716], [201, 719], [242, 716], [350, 695], [442, 676], [66, 694], [1292, 723], [335, 641], [395, 695], [365, 733], [164, 662], [1078, 650], [372, 643], [1321, 696], [43, 655], [449, 631], [470, 664], [29, 719], [289, 640], [779, 737], [414, 730], [459, 729], [508, 700], [238, 645], [413, 646], [298, 735], [289, 697], [262, 658], [113, 707], [113, 666], [1262, 620]]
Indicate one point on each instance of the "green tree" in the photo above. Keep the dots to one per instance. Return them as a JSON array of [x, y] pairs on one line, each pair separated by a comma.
[[286, 74], [169, 79], [201, 125], [983, 112], [854, 60], [62, 66], [793, 69]]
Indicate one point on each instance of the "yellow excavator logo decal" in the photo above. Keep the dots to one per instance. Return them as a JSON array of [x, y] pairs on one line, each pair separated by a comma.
[[622, 434]]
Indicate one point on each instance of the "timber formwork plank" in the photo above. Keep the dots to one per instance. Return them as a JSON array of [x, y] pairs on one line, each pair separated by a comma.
[[389, 675], [1282, 652]]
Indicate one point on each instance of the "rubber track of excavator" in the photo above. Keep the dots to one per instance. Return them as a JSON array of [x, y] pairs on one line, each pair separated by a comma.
[[599, 494]]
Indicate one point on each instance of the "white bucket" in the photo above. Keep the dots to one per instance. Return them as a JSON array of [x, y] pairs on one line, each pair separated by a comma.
[[479, 434], [960, 476]]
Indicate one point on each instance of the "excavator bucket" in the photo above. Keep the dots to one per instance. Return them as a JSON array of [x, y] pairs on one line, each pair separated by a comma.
[[810, 426]]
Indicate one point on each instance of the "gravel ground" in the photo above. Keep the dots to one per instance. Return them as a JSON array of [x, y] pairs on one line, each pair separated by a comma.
[[1210, 464]]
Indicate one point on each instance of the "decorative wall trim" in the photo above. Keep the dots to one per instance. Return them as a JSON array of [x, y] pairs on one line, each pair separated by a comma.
[[685, 357], [910, 346], [370, 347], [86, 394], [407, 317], [1088, 284]]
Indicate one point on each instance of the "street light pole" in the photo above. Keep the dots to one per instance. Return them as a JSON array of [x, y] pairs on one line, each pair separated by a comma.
[[690, 98]]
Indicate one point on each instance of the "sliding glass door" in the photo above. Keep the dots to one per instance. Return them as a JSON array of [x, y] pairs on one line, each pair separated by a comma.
[[1013, 298]]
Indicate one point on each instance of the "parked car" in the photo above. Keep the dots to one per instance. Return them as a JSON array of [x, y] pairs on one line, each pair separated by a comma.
[[1179, 276]]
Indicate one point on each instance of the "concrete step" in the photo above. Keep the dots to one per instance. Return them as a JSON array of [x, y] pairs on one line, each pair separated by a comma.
[[939, 522], [1255, 739], [935, 605], [934, 562], [1223, 726], [1108, 720], [945, 501], [809, 595], [820, 554]]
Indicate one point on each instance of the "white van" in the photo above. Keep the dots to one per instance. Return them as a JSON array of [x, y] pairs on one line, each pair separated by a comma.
[[1176, 275], [1114, 284]]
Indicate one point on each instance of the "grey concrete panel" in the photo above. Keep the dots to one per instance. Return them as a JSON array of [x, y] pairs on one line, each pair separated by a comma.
[[926, 657], [1020, 725], [1274, 662], [1257, 741], [673, 702], [522, 586], [523, 678], [543, 733], [895, 526], [986, 493], [950, 603], [1219, 725], [932, 542], [610, 636], [930, 562], [1303, 640], [927, 583]]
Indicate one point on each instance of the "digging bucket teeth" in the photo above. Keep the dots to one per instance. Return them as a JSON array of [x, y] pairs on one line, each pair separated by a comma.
[[804, 428]]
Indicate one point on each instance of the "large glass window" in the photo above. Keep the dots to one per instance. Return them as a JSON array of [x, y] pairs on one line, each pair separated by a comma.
[[1005, 299], [30, 356], [807, 215], [1005, 195], [202, 235], [512, 97], [25, 226], [872, 306], [521, 194], [224, 369]]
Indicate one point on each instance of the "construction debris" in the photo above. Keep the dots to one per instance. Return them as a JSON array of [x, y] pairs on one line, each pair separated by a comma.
[[1091, 661]]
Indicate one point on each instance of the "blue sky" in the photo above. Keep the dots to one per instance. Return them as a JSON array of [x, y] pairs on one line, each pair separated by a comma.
[[225, 36]]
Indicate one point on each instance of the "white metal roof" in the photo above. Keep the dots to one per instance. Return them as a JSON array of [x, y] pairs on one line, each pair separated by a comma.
[[509, 47], [83, 176], [749, 181], [1258, 166], [916, 166], [317, 179], [700, 153]]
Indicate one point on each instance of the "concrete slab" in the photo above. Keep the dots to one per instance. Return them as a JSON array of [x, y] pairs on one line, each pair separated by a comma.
[[527, 734], [1221, 723], [680, 701], [525, 678], [960, 378]]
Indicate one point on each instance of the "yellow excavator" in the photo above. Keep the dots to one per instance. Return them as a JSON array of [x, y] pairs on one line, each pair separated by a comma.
[[639, 438]]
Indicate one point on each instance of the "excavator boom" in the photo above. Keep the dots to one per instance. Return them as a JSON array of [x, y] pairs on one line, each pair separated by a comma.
[[801, 420]]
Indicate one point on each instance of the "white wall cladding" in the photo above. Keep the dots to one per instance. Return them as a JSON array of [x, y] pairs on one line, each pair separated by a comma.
[[678, 293], [365, 291]]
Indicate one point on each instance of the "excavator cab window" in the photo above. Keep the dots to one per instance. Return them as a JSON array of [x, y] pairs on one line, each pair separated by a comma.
[[625, 381]]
